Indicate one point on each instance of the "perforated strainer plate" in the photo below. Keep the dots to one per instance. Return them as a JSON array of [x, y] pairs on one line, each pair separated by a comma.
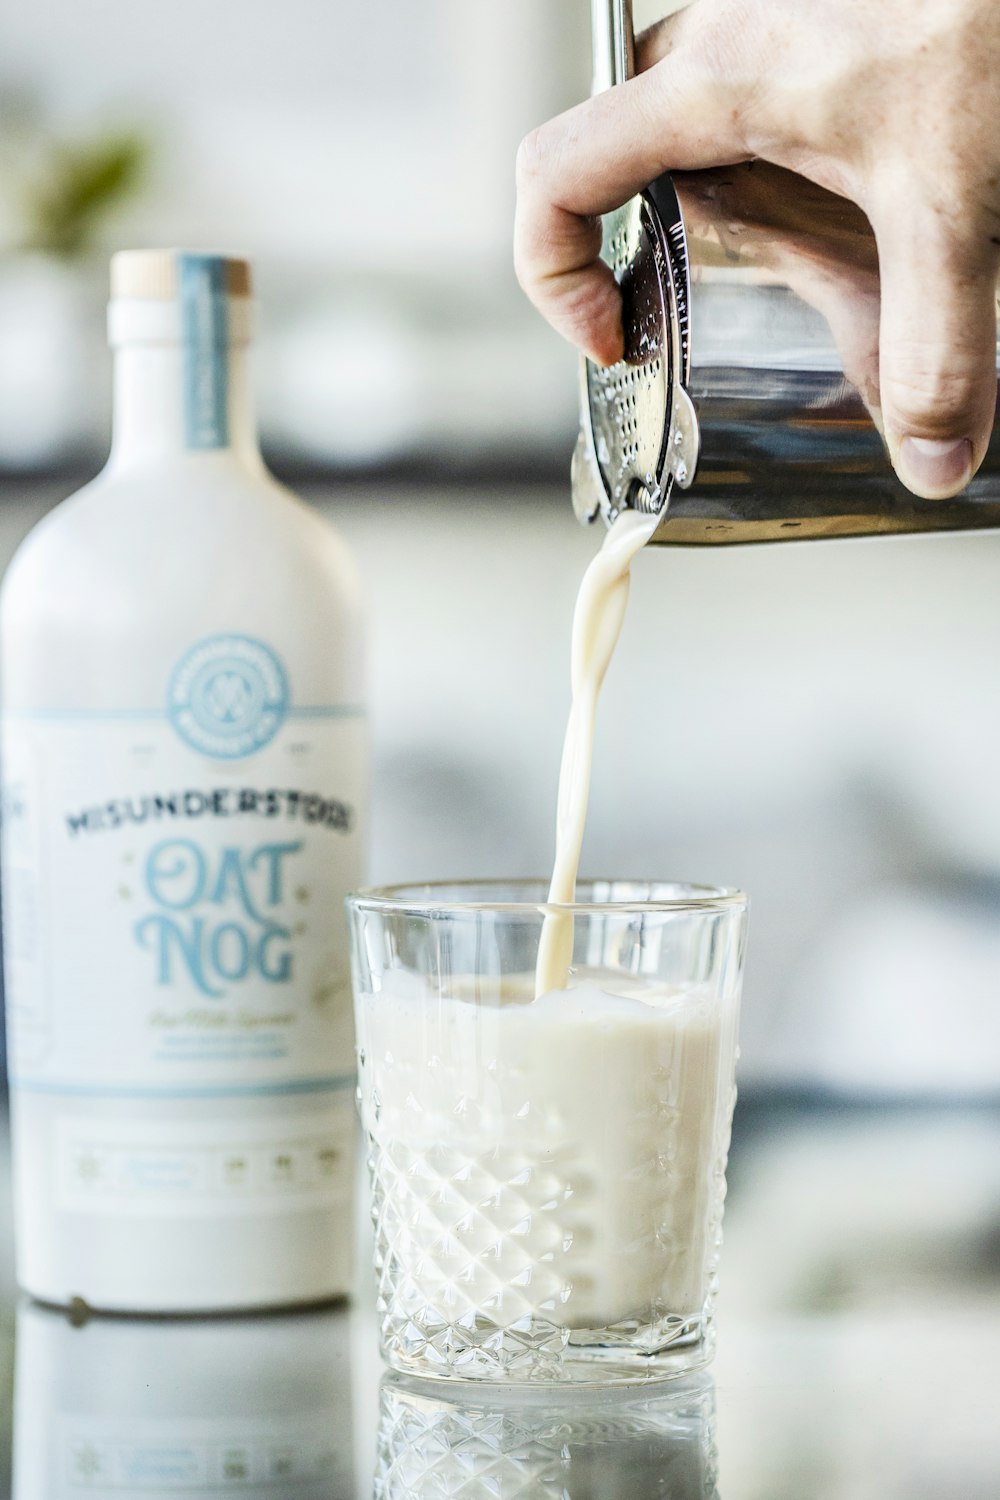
[[630, 402], [639, 431]]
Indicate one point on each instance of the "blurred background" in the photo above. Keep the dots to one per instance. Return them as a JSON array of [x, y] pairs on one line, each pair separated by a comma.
[[813, 723], [819, 724], [363, 155]]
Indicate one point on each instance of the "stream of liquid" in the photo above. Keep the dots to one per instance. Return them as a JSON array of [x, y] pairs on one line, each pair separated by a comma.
[[597, 624], [554, 1163]]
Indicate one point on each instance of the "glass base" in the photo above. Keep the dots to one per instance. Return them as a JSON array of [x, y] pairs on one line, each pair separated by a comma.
[[539, 1353]]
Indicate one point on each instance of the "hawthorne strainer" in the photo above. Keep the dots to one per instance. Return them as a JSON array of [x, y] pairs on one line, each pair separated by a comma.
[[785, 279], [638, 427]]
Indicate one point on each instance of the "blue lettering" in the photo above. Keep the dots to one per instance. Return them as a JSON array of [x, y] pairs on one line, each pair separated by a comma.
[[179, 876], [276, 968], [232, 878], [232, 937], [273, 854], [175, 874], [163, 933]]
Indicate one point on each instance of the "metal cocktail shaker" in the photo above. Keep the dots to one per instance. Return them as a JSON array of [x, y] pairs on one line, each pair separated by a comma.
[[746, 407]]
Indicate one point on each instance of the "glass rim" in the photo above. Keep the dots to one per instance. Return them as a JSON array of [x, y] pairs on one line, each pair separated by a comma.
[[428, 898]]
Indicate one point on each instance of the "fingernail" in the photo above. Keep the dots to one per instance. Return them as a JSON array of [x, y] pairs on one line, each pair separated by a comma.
[[932, 468]]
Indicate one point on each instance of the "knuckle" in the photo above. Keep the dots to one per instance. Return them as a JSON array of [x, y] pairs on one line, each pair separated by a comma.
[[722, 68], [532, 253], [718, 49], [525, 268], [929, 397], [534, 156]]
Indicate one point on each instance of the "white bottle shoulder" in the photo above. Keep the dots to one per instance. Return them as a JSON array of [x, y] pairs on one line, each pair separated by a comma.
[[120, 579]]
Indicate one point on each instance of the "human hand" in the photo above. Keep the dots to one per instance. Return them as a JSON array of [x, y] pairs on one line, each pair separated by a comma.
[[893, 105], [765, 218]]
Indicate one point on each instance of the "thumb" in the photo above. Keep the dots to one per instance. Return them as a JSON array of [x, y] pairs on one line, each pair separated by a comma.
[[937, 352]]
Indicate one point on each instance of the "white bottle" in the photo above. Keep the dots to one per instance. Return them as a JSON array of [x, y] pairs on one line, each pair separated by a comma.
[[184, 757]]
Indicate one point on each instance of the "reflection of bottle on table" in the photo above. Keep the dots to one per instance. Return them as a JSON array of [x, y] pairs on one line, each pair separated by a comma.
[[119, 1408]]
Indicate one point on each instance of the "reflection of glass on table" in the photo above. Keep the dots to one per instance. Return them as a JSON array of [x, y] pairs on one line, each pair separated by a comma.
[[547, 1175], [601, 1446]]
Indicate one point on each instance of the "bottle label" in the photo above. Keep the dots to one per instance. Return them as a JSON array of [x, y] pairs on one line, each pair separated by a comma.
[[205, 321], [174, 904], [255, 1164]]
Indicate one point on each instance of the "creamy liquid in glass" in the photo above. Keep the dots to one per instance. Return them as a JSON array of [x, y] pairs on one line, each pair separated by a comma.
[[551, 1146], [557, 1158], [597, 624]]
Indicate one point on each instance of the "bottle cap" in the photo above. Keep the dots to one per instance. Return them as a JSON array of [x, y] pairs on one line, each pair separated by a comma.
[[179, 296], [156, 274]]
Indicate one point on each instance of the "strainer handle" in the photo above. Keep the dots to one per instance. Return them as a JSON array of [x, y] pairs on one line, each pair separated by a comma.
[[613, 41]]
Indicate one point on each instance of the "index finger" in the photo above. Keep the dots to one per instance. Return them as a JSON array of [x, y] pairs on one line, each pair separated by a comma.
[[592, 159]]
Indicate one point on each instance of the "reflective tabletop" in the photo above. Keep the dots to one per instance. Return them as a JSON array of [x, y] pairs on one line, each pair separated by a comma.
[[859, 1356]]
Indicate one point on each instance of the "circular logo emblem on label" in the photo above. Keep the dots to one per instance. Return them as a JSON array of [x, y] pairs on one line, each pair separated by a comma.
[[228, 696]]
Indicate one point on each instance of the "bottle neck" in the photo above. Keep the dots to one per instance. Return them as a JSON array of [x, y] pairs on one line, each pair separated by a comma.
[[182, 385], [174, 401]]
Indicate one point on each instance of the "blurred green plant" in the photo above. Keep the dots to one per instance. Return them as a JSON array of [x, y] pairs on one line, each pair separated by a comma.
[[57, 192], [74, 187]]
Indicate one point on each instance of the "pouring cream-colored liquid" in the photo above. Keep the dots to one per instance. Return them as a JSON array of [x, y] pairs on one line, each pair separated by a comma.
[[549, 1147], [597, 624]]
